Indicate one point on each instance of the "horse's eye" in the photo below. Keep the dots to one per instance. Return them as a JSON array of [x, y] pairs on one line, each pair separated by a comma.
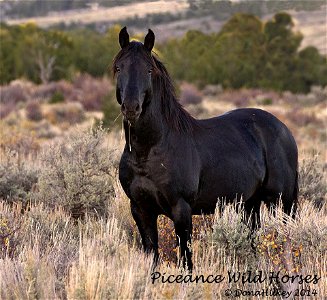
[[150, 71], [117, 69]]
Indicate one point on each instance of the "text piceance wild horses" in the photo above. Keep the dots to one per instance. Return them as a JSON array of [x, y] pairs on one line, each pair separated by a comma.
[[176, 165]]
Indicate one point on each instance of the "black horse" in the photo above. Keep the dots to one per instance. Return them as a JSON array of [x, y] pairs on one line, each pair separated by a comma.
[[176, 165]]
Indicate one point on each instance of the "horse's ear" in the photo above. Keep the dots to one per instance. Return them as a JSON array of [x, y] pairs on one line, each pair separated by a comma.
[[123, 38], [149, 40]]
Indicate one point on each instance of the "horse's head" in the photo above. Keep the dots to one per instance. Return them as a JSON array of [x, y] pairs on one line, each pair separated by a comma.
[[133, 67]]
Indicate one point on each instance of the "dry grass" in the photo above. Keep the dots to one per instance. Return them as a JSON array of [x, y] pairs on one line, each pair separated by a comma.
[[46, 254], [95, 259]]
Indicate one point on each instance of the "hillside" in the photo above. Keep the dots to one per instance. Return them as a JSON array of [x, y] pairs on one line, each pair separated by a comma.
[[173, 18], [97, 14]]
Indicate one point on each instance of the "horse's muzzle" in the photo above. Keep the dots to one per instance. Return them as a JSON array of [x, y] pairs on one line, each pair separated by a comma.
[[131, 112], [131, 117]]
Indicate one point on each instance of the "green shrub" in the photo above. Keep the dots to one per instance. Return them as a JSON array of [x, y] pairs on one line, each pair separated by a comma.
[[267, 101], [71, 113], [231, 233], [247, 52], [57, 97], [16, 179], [77, 174], [111, 111], [312, 180]]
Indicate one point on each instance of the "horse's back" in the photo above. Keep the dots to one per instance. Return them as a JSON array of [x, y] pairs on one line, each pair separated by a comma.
[[251, 125], [244, 150]]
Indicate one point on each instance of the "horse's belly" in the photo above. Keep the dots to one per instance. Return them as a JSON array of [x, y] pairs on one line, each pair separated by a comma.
[[208, 198], [207, 202], [204, 207], [225, 187]]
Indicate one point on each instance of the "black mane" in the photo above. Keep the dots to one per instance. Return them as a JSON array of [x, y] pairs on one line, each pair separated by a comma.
[[163, 88], [172, 110]]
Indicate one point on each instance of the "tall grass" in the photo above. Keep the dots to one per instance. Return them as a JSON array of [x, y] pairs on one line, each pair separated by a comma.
[[47, 254], [95, 259]]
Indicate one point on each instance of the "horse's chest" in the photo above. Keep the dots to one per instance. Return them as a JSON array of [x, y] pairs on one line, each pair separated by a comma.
[[143, 179]]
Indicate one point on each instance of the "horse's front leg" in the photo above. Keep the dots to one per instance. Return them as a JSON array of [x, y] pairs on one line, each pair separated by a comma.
[[182, 217], [146, 222]]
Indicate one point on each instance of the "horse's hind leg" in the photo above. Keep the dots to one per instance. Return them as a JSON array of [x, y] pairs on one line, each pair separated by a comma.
[[252, 211], [290, 204], [287, 197], [147, 225], [182, 217], [272, 199]]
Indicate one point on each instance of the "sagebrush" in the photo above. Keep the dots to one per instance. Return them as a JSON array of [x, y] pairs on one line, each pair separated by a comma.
[[76, 238]]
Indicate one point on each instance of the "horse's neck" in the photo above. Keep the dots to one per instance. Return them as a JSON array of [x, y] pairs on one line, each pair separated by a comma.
[[151, 128], [146, 133]]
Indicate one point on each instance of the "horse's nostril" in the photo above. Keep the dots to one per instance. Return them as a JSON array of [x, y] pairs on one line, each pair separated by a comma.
[[130, 108]]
